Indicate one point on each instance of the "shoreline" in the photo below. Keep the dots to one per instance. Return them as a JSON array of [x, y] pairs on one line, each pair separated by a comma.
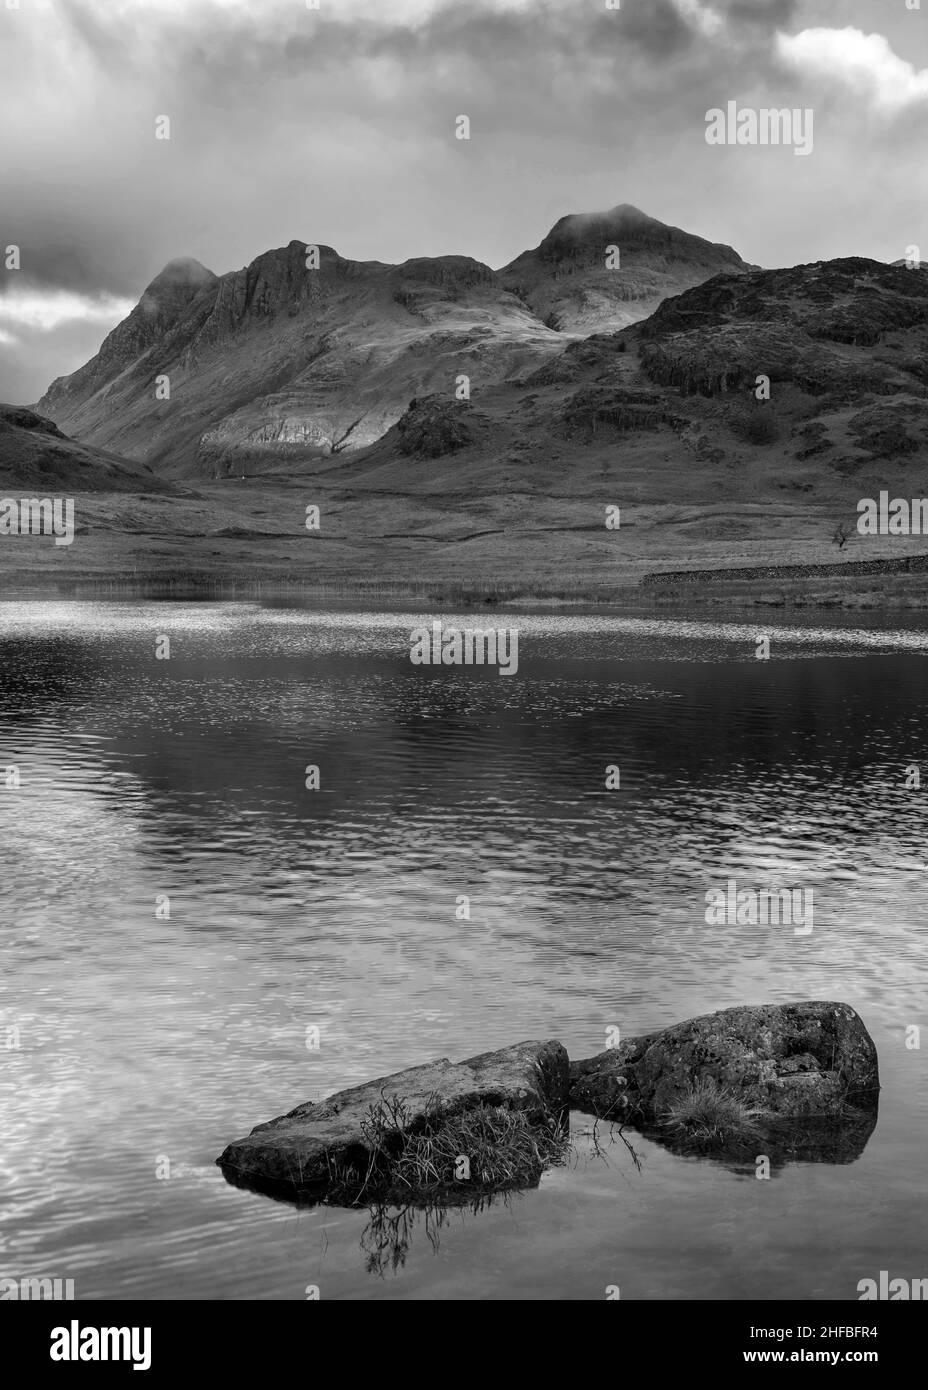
[[710, 589]]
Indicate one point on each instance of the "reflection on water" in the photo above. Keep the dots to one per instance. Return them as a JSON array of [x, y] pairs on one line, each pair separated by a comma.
[[148, 1041]]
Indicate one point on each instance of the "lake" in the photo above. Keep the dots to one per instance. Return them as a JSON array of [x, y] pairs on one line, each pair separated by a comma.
[[134, 1045]]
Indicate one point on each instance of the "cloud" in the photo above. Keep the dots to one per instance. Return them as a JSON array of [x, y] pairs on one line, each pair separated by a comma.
[[863, 63], [45, 310], [703, 18], [44, 328]]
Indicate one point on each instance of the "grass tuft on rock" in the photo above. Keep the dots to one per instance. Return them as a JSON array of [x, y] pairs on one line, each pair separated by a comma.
[[711, 1115], [457, 1156]]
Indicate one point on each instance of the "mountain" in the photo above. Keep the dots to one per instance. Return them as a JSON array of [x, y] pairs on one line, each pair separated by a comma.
[[566, 282], [664, 416], [279, 362], [278, 359], [35, 454]]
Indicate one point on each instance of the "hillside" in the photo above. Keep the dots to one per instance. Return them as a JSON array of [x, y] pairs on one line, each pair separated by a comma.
[[35, 454], [843, 343]]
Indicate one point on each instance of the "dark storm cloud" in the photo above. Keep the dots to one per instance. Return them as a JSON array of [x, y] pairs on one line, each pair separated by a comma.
[[771, 14], [67, 255], [219, 45]]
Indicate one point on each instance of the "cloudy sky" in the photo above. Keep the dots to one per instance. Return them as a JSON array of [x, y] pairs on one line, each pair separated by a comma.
[[336, 125]]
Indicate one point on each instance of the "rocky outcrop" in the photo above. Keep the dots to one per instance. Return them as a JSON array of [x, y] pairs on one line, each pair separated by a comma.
[[801, 1077], [591, 410], [794, 326], [307, 1147], [432, 428], [788, 1061]]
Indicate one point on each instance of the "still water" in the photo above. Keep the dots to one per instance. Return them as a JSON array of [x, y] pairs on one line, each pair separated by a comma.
[[134, 1046]]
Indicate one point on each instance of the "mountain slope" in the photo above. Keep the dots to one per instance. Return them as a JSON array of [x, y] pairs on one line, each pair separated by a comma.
[[282, 361]]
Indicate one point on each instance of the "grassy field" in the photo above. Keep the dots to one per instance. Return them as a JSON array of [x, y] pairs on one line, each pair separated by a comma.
[[250, 536]]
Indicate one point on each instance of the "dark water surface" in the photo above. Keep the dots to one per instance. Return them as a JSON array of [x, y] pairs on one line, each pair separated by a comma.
[[143, 1040]]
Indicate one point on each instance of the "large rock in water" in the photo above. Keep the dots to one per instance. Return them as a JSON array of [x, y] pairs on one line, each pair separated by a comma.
[[301, 1148], [787, 1060]]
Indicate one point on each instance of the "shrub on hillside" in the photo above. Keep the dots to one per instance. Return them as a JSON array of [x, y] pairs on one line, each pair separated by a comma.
[[756, 426]]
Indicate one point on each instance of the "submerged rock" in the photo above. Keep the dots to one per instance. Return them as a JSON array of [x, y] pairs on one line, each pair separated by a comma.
[[311, 1145], [783, 1060]]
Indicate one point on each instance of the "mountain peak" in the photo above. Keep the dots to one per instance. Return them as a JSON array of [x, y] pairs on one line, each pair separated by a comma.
[[629, 210], [575, 281], [644, 235], [184, 272], [621, 214]]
